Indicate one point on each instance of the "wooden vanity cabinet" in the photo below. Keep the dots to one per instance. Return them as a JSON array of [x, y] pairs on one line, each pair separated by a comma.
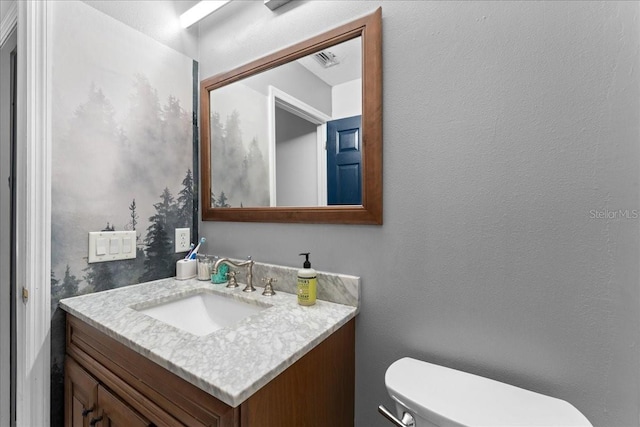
[[81, 394], [115, 413], [90, 403], [111, 385]]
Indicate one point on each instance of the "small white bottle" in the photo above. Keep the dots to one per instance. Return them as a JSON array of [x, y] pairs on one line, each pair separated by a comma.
[[307, 282]]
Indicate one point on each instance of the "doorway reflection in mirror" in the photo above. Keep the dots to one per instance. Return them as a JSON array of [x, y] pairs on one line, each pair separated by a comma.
[[270, 144]]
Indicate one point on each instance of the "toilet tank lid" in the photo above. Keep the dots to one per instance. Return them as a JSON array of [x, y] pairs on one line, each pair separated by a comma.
[[447, 397]]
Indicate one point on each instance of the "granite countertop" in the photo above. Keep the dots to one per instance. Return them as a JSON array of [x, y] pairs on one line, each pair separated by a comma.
[[231, 363]]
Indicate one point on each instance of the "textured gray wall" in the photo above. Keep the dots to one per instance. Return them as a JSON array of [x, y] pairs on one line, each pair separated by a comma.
[[505, 125]]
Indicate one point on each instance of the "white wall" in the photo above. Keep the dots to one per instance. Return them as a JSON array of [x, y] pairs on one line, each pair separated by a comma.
[[296, 160], [159, 19], [346, 99], [505, 124], [297, 81]]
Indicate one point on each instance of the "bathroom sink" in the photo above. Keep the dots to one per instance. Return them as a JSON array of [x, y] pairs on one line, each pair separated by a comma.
[[202, 313]]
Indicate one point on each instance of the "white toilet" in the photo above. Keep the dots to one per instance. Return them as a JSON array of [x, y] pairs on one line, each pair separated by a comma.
[[429, 395]]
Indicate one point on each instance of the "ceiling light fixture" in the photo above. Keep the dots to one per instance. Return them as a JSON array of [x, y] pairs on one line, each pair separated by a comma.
[[200, 10], [274, 4]]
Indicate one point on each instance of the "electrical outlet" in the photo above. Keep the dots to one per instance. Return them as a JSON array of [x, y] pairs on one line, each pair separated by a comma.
[[183, 243]]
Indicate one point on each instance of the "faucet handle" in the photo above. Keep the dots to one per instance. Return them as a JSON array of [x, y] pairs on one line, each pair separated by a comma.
[[268, 287], [233, 283]]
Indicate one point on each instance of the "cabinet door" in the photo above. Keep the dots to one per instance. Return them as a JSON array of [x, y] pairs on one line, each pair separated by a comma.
[[115, 413], [81, 395], [157, 394]]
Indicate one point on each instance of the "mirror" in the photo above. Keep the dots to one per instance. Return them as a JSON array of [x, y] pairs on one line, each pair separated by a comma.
[[296, 136]]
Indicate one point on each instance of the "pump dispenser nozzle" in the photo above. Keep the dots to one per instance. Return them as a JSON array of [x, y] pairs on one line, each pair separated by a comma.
[[306, 264]]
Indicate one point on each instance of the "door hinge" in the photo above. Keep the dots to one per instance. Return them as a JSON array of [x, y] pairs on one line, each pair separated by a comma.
[[25, 295]]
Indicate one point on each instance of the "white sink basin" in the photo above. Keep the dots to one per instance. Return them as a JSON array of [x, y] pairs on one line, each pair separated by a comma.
[[202, 313]]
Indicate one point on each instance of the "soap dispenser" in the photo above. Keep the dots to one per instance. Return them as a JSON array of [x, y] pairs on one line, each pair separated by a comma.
[[307, 282]]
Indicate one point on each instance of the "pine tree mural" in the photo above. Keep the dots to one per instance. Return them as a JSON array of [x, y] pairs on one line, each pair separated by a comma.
[[136, 266], [133, 215], [142, 128], [66, 288], [185, 202], [127, 132], [167, 209], [159, 132], [69, 285], [99, 276], [257, 174], [156, 263], [160, 259], [55, 286], [92, 133], [234, 169], [240, 173], [220, 202], [176, 131]]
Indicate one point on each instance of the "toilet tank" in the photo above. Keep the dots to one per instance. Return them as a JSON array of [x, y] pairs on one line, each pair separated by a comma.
[[443, 397]]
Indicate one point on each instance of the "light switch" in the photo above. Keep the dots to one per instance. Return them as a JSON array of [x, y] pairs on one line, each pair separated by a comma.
[[114, 246], [111, 245], [101, 246], [126, 245]]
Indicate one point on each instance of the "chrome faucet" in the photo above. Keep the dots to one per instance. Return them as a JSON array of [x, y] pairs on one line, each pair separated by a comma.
[[248, 263]]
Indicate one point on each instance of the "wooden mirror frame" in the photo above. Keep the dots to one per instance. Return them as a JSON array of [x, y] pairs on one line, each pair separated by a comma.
[[369, 28]]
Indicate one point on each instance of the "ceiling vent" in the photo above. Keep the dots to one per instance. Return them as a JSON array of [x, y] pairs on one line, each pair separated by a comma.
[[326, 59]]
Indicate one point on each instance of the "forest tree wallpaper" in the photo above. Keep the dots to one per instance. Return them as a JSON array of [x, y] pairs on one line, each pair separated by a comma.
[[122, 158], [239, 147], [239, 175]]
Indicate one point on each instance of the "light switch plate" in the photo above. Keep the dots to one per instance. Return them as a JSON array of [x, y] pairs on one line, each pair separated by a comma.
[[111, 245], [183, 237]]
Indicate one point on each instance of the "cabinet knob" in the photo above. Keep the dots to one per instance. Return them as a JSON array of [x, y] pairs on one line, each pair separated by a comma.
[[94, 421]]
